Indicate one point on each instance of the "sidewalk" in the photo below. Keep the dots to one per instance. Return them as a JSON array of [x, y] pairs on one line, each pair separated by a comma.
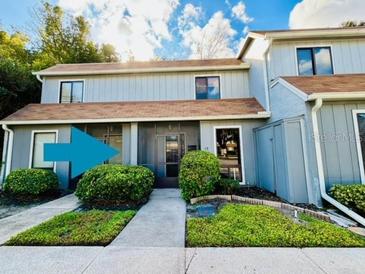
[[159, 223], [12, 225], [180, 260]]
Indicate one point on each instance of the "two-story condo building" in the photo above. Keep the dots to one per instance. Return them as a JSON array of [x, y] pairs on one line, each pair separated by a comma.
[[287, 114]]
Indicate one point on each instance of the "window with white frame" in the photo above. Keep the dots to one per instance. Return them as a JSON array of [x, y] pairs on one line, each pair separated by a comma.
[[207, 87], [39, 139], [360, 117], [71, 91], [314, 61]]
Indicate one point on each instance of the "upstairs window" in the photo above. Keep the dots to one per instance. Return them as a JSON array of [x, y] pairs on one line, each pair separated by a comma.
[[314, 61], [71, 91], [207, 87]]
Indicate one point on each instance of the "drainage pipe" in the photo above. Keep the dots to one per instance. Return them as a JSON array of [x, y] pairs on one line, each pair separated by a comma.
[[9, 153], [322, 185], [3, 159]]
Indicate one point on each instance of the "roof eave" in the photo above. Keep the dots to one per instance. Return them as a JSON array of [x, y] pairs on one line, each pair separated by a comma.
[[242, 66], [323, 33], [336, 96], [258, 115]]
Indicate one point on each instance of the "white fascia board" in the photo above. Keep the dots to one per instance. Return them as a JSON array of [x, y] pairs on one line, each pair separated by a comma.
[[242, 66], [319, 33], [337, 95], [259, 115]]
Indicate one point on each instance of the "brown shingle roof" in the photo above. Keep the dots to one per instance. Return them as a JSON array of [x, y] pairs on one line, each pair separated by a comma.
[[120, 67], [137, 111], [331, 83]]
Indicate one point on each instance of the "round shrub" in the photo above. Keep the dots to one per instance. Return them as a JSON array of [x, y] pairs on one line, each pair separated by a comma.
[[31, 182], [113, 184], [352, 196], [227, 186], [199, 173]]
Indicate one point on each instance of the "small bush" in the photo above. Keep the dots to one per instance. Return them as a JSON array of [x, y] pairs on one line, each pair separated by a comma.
[[31, 182], [199, 173], [115, 184], [227, 186], [352, 196]]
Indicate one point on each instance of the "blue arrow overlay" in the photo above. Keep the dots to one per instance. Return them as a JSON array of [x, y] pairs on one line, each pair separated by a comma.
[[84, 152]]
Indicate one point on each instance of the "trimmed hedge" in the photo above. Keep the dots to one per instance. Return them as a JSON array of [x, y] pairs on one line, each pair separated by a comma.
[[114, 184], [227, 186], [352, 196], [199, 173], [30, 182]]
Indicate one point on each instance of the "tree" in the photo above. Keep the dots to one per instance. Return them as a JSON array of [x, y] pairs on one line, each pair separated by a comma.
[[353, 24], [62, 38]]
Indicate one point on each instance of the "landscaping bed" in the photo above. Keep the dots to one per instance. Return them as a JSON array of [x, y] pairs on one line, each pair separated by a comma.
[[76, 228], [240, 225]]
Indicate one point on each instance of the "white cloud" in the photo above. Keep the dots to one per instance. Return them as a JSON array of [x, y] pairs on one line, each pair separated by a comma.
[[210, 41], [325, 13], [134, 27], [190, 16], [239, 12]]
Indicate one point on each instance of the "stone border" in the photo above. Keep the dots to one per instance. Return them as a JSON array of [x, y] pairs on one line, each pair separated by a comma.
[[252, 201]]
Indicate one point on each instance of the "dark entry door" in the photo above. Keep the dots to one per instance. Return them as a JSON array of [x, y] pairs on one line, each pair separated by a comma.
[[170, 149]]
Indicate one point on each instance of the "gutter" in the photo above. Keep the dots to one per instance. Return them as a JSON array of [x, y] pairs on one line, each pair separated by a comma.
[[317, 142], [9, 152], [242, 66], [259, 115]]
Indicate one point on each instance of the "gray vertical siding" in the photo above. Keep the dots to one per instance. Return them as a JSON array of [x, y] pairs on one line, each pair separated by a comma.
[[338, 144], [249, 153], [348, 56], [282, 159], [22, 145], [257, 78], [148, 87]]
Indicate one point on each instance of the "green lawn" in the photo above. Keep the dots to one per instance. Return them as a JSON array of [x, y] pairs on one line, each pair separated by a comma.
[[255, 225], [93, 227]]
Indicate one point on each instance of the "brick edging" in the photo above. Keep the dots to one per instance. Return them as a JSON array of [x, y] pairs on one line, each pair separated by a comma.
[[252, 201]]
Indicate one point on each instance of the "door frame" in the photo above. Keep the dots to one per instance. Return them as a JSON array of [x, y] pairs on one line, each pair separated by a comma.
[[239, 127]]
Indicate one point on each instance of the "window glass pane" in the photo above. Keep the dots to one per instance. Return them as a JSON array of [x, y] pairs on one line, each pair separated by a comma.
[[115, 141], [172, 170], [228, 153], [77, 88], [361, 122], [213, 88], [305, 64], [38, 151], [201, 87], [323, 61], [172, 149], [66, 92]]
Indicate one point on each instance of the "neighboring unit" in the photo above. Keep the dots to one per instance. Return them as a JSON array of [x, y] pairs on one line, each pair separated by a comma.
[[288, 114]]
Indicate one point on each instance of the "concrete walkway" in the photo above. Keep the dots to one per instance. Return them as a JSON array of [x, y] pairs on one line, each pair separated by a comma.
[[179, 260], [12, 225], [159, 223]]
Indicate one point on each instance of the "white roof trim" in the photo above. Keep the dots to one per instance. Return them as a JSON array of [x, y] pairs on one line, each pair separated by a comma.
[[259, 115], [337, 95], [314, 33], [242, 66]]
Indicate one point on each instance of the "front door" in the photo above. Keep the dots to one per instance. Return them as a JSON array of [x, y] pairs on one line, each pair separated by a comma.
[[170, 149]]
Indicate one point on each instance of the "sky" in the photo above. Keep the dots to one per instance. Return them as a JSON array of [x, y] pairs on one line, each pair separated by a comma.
[[181, 29]]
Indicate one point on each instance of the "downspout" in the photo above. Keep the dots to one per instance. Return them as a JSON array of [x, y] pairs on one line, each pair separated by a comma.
[[3, 159], [9, 152], [322, 185], [266, 77], [39, 78]]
